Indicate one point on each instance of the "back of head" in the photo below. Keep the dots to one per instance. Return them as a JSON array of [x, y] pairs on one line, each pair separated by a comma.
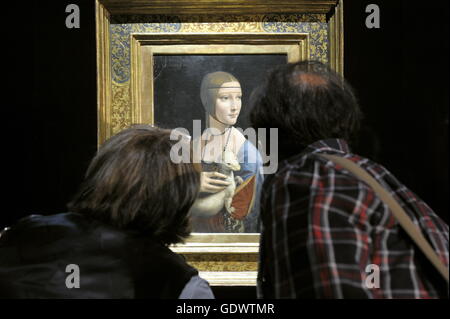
[[132, 184], [307, 102]]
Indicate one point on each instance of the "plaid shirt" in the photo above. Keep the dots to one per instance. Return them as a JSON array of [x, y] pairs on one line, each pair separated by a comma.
[[322, 228]]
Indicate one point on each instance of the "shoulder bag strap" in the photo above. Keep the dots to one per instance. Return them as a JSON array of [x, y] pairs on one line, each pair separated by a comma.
[[398, 212]]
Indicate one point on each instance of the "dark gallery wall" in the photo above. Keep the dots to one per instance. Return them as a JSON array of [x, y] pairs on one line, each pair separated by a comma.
[[52, 100], [399, 71]]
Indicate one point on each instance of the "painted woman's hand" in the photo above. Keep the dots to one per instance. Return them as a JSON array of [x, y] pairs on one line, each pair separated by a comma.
[[213, 182]]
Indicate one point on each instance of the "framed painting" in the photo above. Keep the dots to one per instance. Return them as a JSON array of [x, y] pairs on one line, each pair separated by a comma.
[[166, 71]]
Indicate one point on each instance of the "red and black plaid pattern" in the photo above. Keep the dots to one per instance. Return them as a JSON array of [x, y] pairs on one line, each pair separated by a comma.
[[322, 228]]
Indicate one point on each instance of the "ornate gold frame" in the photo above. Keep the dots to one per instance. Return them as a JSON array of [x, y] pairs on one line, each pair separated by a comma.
[[144, 46], [217, 6], [222, 259]]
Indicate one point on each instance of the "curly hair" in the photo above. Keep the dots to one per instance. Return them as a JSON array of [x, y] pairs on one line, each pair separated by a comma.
[[307, 102]]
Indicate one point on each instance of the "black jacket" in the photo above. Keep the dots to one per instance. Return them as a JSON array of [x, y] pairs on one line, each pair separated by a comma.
[[35, 254]]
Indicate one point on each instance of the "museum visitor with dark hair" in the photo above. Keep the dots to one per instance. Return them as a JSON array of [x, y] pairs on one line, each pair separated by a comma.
[[132, 205], [329, 232]]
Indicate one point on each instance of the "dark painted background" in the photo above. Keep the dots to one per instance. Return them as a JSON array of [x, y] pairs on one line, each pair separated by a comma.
[[400, 72], [177, 80]]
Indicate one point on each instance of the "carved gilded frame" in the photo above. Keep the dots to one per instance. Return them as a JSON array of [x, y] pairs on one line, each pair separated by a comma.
[[144, 46], [222, 259]]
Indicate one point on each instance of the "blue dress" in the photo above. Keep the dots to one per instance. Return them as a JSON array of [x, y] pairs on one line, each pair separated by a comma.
[[251, 165]]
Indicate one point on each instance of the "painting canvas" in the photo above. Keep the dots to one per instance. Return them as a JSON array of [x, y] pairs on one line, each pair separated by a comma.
[[177, 103]]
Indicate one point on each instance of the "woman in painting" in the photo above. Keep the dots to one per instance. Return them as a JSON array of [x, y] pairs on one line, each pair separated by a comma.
[[220, 144]]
